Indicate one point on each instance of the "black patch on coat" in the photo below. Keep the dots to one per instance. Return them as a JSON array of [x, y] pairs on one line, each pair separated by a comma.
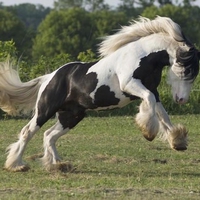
[[150, 71], [69, 84], [104, 97], [71, 115]]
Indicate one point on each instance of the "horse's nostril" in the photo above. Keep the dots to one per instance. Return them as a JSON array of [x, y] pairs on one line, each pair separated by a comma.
[[181, 100]]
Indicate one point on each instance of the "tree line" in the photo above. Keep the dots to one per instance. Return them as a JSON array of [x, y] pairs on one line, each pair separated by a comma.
[[74, 26]]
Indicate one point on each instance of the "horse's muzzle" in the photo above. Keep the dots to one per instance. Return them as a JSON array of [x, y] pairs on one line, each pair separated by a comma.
[[180, 100]]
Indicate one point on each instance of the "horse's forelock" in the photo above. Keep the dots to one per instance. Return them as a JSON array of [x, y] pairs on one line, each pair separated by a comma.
[[190, 61]]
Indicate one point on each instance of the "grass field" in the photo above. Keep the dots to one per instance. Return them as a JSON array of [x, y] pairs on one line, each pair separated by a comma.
[[111, 160]]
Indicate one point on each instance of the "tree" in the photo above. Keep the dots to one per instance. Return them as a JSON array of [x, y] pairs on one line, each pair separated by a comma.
[[66, 31], [188, 2], [128, 3], [65, 4], [133, 8], [164, 2], [31, 14], [95, 5], [145, 3], [27, 18], [8, 50], [108, 22], [136, 3], [90, 5], [11, 28]]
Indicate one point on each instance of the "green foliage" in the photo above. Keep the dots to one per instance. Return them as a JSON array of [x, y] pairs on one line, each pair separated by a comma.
[[74, 30], [91, 5], [11, 28], [65, 4], [95, 5], [24, 20], [108, 22], [87, 56], [31, 14], [78, 29], [46, 65], [8, 50], [66, 31]]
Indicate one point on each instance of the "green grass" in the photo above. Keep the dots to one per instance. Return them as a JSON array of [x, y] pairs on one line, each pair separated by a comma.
[[112, 161]]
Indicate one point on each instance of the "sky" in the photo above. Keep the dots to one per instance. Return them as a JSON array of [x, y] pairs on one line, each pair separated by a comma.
[[49, 3]]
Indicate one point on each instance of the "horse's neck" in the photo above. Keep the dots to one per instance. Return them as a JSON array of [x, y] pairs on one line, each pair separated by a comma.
[[143, 47], [154, 43], [131, 54]]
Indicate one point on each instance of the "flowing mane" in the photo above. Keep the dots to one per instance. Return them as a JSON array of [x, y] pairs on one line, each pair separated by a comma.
[[138, 29]]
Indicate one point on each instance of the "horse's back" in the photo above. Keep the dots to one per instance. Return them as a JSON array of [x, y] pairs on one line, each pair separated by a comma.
[[75, 85]]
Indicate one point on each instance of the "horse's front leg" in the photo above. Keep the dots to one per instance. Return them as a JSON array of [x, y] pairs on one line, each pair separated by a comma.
[[146, 119], [176, 135]]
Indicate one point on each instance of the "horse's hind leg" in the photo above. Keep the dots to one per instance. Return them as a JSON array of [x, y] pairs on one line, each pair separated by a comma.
[[67, 119], [51, 157], [15, 151]]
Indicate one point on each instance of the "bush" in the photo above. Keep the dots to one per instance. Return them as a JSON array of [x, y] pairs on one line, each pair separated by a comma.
[[8, 50]]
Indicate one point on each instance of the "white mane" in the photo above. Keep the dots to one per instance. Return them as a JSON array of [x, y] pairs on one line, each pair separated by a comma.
[[138, 29]]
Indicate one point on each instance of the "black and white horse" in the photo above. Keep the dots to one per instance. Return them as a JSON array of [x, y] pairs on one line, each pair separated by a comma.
[[130, 68]]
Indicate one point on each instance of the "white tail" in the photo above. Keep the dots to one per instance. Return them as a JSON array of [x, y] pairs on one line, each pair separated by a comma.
[[16, 96]]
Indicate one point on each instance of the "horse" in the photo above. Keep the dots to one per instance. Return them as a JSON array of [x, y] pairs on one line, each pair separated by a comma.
[[130, 67]]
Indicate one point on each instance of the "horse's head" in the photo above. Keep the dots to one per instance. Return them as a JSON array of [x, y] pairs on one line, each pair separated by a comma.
[[185, 68]]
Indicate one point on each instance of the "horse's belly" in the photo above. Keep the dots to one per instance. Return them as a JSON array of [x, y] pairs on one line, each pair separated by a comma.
[[110, 100]]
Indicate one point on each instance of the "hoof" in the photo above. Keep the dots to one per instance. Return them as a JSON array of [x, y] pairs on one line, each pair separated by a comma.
[[21, 168], [63, 167], [179, 148], [149, 137], [178, 138]]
